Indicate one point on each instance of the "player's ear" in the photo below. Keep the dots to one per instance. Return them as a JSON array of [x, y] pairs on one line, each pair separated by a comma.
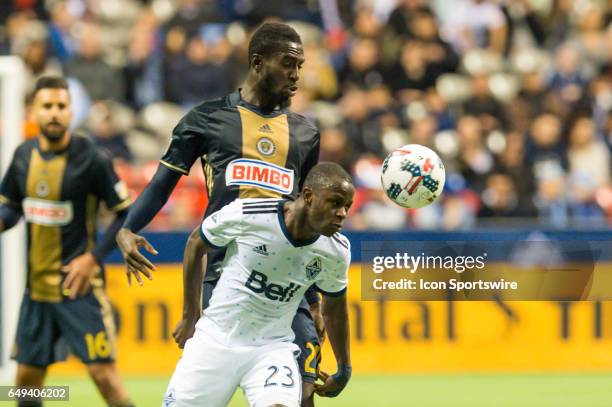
[[257, 62], [307, 194]]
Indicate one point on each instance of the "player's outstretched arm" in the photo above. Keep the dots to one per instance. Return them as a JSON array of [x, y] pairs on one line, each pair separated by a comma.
[[148, 204], [82, 268], [194, 270], [335, 314]]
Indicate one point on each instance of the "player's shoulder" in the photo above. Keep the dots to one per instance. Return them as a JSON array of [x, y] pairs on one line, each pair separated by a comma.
[[259, 206], [307, 125], [85, 149], [208, 107], [341, 245], [81, 142], [26, 147], [200, 114]]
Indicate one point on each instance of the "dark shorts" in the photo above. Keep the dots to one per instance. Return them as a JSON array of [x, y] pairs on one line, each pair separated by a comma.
[[46, 332], [305, 337]]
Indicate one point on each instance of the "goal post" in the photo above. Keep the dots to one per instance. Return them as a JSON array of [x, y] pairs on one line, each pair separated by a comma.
[[12, 243]]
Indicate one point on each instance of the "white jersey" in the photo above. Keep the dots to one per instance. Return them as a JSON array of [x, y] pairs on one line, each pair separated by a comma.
[[265, 272]]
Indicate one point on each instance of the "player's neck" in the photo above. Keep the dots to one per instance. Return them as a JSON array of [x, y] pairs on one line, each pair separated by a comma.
[[59, 145], [295, 221], [251, 94]]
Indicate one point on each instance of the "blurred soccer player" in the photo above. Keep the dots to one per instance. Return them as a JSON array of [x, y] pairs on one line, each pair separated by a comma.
[[276, 250], [251, 146], [56, 182]]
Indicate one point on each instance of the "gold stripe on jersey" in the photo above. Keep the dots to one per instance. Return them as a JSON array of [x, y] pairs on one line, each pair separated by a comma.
[[91, 206], [254, 129], [121, 206], [107, 318], [208, 174], [174, 167], [44, 181], [5, 201]]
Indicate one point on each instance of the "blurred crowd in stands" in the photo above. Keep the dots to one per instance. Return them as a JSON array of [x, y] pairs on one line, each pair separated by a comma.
[[515, 95]]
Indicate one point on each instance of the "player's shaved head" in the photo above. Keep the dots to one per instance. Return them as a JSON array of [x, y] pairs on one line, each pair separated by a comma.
[[270, 38], [326, 175]]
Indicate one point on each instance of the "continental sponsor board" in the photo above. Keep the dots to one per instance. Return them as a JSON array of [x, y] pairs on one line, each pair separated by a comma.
[[390, 337]]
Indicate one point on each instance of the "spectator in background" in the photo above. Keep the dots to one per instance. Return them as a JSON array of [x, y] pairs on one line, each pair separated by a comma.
[[366, 24], [105, 133], [411, 75], [589, 161], [567, 80], [551, 29], [361, 127], [475, 161], [511, 162], [335, 147], [401, 17], [144, 62], [532, 99], [62, 43], [191, 15], [484, 106], [101, 80], [440, 56], [31, 45], [500, 197], [201, 71], [545, 147], [551, 194], [478, 24], [363, 67], [590, 37]]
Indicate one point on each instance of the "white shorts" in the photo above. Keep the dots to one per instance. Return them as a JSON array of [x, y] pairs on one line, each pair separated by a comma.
[[209, 372]]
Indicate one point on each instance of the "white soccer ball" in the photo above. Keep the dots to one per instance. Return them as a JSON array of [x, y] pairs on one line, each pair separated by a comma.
[[413, 176]]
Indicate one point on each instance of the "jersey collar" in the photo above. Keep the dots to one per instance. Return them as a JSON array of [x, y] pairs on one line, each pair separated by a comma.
[[283, 226], [235, 99]]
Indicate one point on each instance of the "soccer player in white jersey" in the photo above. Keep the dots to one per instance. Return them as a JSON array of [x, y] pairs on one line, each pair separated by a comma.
[[275, 250]]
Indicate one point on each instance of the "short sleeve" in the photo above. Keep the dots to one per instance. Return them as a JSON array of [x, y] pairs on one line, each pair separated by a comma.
[[10, 193], [222, 227], [335, 280], [107, 186], [188, 142]]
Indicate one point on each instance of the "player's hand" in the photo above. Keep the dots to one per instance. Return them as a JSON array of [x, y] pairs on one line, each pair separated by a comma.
[[333, 385], [317, 317], [80, 271], [129, 243], [183, 331]]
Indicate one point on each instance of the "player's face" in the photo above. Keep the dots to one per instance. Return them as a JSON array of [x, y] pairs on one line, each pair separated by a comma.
[[329, 206], [281, 72], [51, 111]]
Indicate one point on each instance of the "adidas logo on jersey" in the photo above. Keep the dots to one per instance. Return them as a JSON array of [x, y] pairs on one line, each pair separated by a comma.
[[263, 250], [265, 129], [258, 283]]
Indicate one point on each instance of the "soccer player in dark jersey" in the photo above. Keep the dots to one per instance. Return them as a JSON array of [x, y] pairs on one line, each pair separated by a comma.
[[251, 146], [56, 182]]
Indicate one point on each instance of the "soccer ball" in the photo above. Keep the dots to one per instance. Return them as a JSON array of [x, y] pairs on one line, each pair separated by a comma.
[[413, 176]]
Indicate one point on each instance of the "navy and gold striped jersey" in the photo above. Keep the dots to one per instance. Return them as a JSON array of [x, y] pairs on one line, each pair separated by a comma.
[[58, 194], [245, 153]]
